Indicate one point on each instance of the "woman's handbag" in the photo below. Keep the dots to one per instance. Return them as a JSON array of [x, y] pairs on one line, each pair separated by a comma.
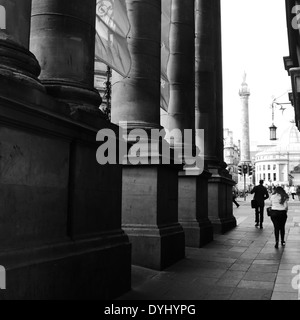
[[254, 204], [269, 211]]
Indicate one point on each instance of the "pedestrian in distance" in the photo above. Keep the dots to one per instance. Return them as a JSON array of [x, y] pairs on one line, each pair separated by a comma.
[[293, 191], [234, 196], [260, 195], [298, 192], [279, 209]]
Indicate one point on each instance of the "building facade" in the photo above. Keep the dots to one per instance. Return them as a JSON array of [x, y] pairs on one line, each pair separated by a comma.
[[292, 62], [231, 154], [276, 164]]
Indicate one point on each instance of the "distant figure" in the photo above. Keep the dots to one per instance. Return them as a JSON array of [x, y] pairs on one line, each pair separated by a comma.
[[287, 189], [279, 205], [234, 196], [260, 195], [293, 191], [298, 192]]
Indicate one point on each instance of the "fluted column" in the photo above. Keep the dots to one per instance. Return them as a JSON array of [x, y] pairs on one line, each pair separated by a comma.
[[193, 185], [150, 192], [16, 62], [136, 99], [209, 111], [206, 87], [63, 40], [181, 69]]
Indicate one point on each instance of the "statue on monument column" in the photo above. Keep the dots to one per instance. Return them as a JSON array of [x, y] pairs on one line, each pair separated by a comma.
[[245, 77], [2, 17]]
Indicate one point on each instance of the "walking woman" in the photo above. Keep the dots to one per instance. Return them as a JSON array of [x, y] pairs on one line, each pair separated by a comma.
[[279, 205]]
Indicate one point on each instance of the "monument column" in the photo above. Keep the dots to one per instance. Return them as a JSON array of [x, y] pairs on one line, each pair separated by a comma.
[[63, 40], [193, 181], [209, 111], [150, 191], [16, 62], [245, 141]]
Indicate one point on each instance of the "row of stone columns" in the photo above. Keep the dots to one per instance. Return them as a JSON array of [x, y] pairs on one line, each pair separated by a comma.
[[62, 39], [151, 193]]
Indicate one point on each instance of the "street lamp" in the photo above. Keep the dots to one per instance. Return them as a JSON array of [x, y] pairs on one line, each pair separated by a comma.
[[273, 128]]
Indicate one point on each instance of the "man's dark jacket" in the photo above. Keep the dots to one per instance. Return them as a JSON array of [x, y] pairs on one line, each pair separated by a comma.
[[260, 195]]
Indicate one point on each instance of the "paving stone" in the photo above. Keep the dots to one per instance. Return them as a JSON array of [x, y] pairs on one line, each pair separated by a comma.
[[251, 294], [284, 279], [240, 267], [284, 296], [267, 262], [256, 284], [257, 276], [264, 268], [233, 282], [284, 288]]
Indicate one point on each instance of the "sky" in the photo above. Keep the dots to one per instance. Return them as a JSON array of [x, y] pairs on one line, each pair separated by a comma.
[[254, 40]]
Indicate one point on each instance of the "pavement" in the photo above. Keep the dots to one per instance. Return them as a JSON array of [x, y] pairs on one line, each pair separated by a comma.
[[241, 264]]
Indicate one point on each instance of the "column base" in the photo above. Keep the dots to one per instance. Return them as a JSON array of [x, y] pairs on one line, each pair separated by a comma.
[[60, 230], [156, 248], [150, 215], [221, 226], [193, 209], [198, 234], [76, 96], [220, 207], [19, 64]]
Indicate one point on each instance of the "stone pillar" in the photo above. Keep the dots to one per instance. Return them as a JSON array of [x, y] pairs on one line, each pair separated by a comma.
[[209, 111], [181, 69], [193, 186], [150, 192], [16, 62], [60, 211], [136, 99], [63, 40]]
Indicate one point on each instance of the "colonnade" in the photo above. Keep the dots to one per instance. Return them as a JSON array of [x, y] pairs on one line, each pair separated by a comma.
[[84, 222]]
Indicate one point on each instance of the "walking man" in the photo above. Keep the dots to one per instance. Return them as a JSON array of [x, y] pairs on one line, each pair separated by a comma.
[[260, 195], [234, 196]]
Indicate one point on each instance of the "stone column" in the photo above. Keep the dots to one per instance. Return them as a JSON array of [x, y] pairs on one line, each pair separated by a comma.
[[193, 186], [150, 192], [16, 62], [63, 40], [209, 111], [136, 99]]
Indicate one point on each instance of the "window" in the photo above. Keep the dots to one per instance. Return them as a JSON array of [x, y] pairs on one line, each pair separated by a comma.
[[269, 168], [269, 176], [264, 168], [274, 167], [2, 17], [264, 176], [274, 177]]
